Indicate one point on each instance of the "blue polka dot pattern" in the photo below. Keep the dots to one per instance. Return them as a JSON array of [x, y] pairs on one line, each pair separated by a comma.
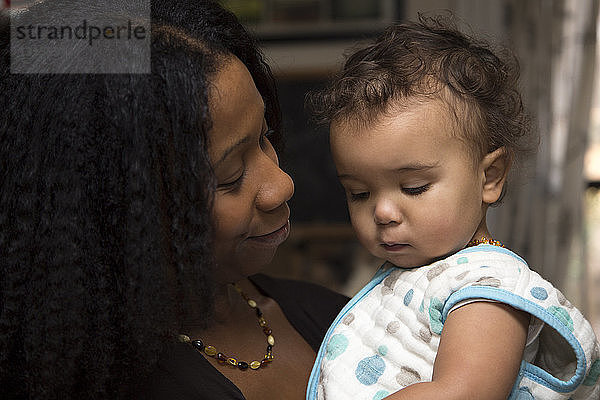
[[380, 395], [408, 297], [369, 370], [435, 315], [562, 315], [539, 293], [382, 350], [336, 346]]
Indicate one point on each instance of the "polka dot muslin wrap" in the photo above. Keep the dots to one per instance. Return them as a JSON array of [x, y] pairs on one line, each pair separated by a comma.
[[387, 337]]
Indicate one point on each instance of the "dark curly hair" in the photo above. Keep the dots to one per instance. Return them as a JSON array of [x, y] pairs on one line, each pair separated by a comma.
[[105, 207], [432, 59]]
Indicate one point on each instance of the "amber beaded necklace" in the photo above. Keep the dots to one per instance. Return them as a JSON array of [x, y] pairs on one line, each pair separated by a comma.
[[484, 240], [211, 351]]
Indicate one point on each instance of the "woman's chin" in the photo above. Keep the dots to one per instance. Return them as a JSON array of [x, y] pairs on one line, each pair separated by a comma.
[[246, 261]]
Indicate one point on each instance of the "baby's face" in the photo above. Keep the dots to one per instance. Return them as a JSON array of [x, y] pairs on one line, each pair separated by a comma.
[[414, 193]]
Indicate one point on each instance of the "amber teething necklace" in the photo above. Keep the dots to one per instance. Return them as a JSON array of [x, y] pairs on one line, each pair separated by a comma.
[[484, 240], [211, 351]]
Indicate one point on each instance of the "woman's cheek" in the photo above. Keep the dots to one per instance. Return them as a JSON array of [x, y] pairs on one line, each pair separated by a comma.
[[228, 217]]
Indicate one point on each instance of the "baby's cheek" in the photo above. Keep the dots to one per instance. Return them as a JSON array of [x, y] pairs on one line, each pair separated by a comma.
[[364, 227], [440, 224], [357, 216]]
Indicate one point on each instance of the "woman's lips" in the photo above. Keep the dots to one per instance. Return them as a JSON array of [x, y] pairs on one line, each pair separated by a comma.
[[272, 239], [394, 247]]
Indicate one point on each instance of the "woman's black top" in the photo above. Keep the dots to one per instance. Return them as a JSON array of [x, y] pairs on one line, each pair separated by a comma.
[[185, 374]]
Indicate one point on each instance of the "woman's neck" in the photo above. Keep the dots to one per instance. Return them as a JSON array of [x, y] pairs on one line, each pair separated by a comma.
[[228, 303]]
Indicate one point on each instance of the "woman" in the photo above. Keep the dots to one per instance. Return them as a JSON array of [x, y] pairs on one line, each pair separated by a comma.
[[128, 204]]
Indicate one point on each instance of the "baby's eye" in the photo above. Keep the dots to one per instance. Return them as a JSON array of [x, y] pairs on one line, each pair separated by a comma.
[[359, 196], [415, 191]]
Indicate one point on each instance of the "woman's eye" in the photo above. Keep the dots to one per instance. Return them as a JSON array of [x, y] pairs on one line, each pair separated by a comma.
[[415, 191], [359, 196], [232, 184], [266, 136]]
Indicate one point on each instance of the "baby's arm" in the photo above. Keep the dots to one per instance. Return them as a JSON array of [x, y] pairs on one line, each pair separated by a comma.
[[479, 356]]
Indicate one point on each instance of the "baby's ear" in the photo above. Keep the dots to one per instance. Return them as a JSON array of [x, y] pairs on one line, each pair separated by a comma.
[[495, 167]]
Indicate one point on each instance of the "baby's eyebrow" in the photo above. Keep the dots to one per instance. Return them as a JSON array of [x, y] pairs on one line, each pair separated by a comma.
[[412, 167], [417, 167]]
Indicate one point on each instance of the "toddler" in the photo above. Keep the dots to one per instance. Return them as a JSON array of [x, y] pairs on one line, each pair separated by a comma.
[[425, 124]]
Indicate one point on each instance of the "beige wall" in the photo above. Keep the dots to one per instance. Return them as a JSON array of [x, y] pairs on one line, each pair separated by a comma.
[[484, 16]]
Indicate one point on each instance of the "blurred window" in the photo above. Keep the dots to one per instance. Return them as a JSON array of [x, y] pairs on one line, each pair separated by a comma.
[[592, 200], [276, 20]]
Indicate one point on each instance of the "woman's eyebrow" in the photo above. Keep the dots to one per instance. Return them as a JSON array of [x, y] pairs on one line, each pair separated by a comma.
[[231, 149]]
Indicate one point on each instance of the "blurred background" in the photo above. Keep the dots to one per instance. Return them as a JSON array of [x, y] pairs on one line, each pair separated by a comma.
[[551, 215]]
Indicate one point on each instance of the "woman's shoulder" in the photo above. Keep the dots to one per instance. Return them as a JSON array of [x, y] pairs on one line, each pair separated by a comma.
[[291, 290]]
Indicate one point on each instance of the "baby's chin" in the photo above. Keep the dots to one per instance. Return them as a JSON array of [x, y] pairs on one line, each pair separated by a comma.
[[408, 262], [407, 265]]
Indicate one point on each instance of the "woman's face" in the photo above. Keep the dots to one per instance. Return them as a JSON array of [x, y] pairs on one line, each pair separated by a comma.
[[250, 210]]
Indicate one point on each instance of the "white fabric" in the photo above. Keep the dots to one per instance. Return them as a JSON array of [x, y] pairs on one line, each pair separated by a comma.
[[388, 338]]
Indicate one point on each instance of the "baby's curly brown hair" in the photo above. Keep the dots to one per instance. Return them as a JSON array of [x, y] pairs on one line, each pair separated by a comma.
[[430, 59]]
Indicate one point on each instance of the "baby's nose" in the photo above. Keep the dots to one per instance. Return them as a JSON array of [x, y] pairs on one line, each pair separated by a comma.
[[386, 212]]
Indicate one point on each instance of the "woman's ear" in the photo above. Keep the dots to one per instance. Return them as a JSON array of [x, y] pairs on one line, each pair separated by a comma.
[[495, 167]]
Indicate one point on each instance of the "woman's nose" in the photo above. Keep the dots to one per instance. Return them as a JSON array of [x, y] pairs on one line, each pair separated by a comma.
[[277, 187], [386, 212]]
